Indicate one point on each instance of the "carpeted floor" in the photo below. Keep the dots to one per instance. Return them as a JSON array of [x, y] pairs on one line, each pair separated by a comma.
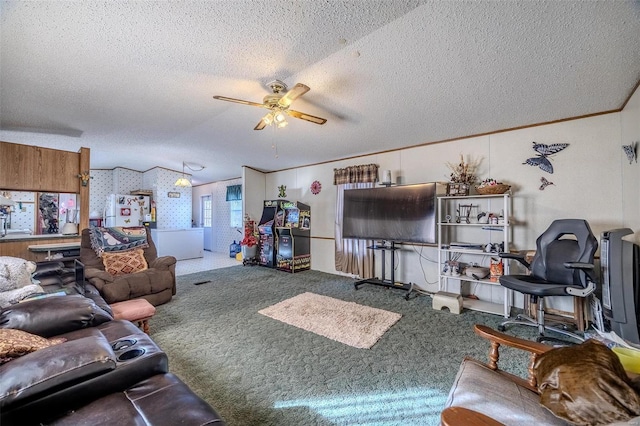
[[257, 371]]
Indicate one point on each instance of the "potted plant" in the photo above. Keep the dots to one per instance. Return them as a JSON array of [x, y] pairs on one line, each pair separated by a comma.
[[249, 243], [462, 176]]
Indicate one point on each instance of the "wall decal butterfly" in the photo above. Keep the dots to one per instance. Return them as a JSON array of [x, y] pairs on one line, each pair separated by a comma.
[[631, 151], [545, 183], [544, 151]]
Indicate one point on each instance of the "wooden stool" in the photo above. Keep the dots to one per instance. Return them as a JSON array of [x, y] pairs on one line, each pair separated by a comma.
[[134, 310], [452, 301]]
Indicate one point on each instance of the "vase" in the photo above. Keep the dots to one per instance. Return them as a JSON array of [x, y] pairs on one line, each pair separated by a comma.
[[249, 252]]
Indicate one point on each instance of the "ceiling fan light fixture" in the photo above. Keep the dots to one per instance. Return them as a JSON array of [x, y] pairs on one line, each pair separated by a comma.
[[278, 103], [279, 117]]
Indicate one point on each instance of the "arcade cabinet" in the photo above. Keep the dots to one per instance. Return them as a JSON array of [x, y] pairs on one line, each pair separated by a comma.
[[272, 216], [294, 238]]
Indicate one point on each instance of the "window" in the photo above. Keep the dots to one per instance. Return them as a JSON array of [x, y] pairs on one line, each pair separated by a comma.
[[206, 211], [235, 209], [234, 198]]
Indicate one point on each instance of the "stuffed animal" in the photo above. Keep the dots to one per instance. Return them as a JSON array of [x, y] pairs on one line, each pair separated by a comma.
[[15, 280]]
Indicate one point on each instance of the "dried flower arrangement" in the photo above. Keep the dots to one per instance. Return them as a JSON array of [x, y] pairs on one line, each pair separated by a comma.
[[463, 172]]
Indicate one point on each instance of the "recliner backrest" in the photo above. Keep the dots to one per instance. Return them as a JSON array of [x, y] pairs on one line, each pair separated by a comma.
[[90, 259], [553, 249]]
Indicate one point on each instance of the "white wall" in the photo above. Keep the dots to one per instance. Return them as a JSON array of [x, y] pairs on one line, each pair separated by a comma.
[[630, 124], [592, 180], [253, 193]]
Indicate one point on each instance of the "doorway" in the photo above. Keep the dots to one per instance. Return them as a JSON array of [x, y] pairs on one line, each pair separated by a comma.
[[206, 214]]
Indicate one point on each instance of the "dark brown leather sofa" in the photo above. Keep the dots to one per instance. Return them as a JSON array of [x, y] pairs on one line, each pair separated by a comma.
[[105, 372], [157, 284]]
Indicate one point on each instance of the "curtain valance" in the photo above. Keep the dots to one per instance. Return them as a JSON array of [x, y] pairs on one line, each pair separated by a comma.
[[356, 174], [234, 192]]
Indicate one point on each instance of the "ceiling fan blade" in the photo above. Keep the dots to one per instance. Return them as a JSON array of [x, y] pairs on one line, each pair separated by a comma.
[[238, 101], [261, 125], [297, 91], [307, 117]]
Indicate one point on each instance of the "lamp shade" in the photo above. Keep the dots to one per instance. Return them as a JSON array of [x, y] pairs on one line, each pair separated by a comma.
[[183, 182]]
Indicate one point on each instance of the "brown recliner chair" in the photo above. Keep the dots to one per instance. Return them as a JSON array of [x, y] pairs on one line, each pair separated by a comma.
[[156, 284]]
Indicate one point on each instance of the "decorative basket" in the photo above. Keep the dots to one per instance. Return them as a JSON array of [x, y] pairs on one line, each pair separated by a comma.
[[500, 188]]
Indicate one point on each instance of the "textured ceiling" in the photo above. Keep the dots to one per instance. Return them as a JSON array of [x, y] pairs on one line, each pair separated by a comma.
[[134, 80]]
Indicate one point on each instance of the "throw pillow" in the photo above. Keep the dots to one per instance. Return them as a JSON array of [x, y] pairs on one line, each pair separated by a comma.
[[16, 343], [126, 262], [586, 385], [15, 272]]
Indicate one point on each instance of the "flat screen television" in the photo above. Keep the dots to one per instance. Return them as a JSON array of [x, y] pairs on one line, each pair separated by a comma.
[[404, 213]]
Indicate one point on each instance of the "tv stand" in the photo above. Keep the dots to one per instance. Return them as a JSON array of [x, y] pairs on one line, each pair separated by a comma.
[[384, 282]]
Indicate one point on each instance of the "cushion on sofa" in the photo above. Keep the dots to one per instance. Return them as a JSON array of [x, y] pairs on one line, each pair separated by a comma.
[[586, 385], [49, 369], [160, 399], [481, 389], [124, 262], [16, 343], [15, 272], [54, 315], [149, 283], [15, 280]]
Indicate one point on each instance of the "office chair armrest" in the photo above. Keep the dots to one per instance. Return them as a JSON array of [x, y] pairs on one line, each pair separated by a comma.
[[516, 256], [587, 268], [578, 265]]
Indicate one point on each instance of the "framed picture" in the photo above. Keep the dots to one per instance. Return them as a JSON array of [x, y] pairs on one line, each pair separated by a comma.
[[457, 189], [173, 194]]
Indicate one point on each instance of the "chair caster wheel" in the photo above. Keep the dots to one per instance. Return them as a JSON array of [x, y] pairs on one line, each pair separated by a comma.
[[502, 328]]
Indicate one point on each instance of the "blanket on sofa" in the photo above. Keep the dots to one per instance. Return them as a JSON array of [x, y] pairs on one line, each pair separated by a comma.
[[118, 238]]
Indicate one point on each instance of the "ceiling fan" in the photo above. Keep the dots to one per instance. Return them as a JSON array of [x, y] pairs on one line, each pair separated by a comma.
[[278, 105]]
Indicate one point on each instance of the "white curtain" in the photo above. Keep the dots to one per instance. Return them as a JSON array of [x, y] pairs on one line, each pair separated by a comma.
[[351, 256]]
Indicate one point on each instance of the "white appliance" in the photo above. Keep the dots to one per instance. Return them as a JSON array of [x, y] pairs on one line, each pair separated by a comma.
[[126, 210], [180, 243]]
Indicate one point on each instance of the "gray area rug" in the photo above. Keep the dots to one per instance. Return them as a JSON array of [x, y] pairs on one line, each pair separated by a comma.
[[257, 371], [345, 322]]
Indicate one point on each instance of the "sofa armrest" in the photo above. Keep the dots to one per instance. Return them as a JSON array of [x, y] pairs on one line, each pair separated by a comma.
[[163, 262], [41, 372], [456, 416], [497, 338], [53, 315]]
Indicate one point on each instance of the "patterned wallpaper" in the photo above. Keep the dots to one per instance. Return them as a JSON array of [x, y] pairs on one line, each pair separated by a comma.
[[171, 212], [99, 188], [23, 214], [126, 180]]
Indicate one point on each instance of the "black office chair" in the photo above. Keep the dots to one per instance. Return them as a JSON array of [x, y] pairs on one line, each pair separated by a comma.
[[561, 267]]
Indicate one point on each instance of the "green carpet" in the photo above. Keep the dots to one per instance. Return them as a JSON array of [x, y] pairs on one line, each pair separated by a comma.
[[258, 371]]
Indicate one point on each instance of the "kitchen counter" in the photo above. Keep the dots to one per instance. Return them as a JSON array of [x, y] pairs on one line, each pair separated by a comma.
[[28, 237], [18, 245]]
